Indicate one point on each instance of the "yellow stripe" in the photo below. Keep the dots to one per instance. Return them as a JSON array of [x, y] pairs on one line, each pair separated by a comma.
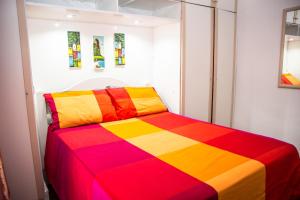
[[248, 182], [203, 161], [233, 176], [161, 142], [131, 129], [72, 93], [292, 79]]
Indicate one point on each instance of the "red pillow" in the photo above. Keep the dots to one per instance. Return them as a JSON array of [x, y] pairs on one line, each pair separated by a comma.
[[136, 101], [122, 102]]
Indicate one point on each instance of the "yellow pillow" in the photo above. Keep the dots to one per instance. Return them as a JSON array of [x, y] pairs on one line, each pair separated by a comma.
[[135, 101], [75, 108]]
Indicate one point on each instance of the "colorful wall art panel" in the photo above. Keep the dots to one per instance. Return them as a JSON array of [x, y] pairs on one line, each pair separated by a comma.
[[119, 42], [74, 49], [98, 46]]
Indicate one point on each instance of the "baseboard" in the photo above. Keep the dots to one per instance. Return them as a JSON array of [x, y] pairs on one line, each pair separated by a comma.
[[46, 192]]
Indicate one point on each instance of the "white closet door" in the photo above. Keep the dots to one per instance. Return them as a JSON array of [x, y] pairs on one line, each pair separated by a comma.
[[224, 67], [197, 62]]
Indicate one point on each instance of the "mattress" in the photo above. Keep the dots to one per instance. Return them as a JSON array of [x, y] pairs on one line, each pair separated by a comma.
[[168, 156]]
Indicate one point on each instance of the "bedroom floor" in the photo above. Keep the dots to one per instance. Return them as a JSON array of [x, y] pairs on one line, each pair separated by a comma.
[[52, 194]]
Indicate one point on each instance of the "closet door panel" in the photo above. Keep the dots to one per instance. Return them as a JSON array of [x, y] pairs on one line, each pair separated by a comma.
[[200, 2], [197, 62], [229, 5], [224, 67]]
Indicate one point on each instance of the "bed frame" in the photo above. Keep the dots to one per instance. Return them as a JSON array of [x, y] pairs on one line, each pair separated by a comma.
[[40, 106]]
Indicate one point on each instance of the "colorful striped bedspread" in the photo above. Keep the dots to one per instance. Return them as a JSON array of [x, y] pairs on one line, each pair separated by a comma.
[[168, 156]]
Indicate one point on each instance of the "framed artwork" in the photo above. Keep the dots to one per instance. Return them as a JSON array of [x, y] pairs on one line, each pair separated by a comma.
[[98, 46], [119, 43], [74, 49]]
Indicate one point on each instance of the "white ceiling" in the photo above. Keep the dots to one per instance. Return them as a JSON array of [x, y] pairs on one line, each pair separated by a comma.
[[59, 13], [150, 5], [84, 4]]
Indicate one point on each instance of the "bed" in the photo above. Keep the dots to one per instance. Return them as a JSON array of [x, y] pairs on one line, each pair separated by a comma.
[[168, 156]]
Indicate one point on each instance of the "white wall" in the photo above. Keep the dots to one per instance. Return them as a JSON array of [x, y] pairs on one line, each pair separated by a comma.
[[166, 67], [49, 54], [152, 56], [15, 144], [260, 106]]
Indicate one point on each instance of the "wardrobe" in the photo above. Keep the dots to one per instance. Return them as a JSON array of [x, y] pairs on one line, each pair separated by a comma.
[[208, 60]]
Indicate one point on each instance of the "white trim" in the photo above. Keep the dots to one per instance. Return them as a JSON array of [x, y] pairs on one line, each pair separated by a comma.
[[30, 97]]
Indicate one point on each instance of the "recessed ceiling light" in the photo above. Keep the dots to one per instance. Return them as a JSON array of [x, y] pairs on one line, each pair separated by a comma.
[[56, 24], [291, 39], [70, 16], [136, 22]]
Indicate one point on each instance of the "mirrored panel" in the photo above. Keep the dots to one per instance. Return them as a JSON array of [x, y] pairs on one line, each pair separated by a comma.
[[290, 49]]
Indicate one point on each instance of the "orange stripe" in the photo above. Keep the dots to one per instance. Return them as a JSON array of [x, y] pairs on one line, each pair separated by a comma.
[[107, 109], [232, 175]]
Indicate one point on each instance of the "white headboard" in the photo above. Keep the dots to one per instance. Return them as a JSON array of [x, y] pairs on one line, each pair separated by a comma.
[[40, 105]]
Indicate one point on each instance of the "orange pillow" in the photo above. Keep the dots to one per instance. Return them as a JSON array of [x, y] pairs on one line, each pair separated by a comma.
[[75, 108], [135, 101]]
